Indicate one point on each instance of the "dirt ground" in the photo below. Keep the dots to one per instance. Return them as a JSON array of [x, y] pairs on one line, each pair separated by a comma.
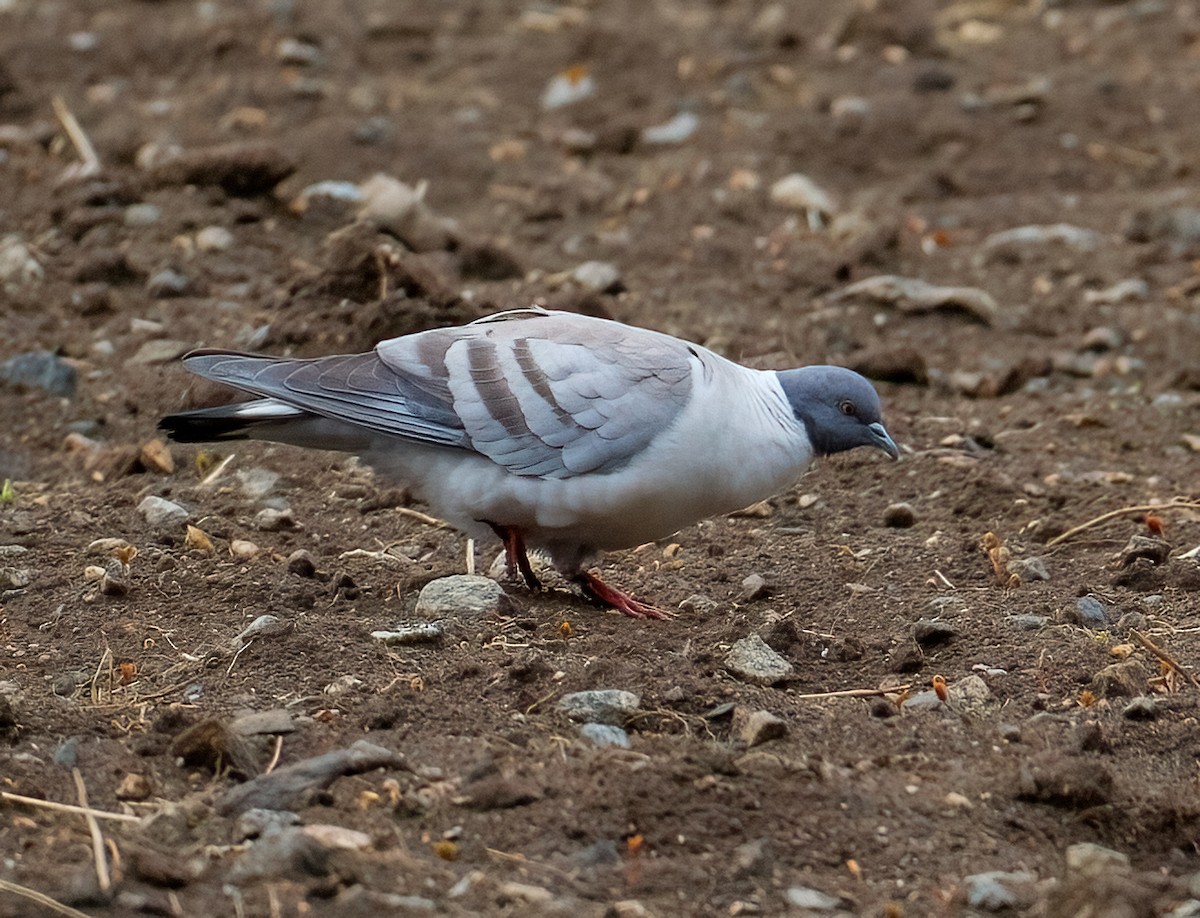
[[1062, 384]]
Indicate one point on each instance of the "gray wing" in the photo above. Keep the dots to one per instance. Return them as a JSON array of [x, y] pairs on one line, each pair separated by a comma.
[[541, 393]]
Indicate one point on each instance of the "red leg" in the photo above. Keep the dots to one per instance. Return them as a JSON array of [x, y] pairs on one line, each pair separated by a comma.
[[516, 558], [595, 588]]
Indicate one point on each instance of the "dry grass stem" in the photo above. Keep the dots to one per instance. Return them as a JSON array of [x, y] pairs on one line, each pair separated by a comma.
[[1163, 655], [67, 808], [41, 899], [854, 693], [423, 518], [77, 136], [1117, 514], [102, 875]]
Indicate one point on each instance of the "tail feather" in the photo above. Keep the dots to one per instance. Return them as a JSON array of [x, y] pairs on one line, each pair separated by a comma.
[[227, 422]]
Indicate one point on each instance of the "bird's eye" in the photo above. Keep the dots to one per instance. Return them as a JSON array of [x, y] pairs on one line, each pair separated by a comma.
[[847, 407]]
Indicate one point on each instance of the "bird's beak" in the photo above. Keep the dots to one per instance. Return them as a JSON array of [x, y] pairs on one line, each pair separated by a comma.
[[881, 439]]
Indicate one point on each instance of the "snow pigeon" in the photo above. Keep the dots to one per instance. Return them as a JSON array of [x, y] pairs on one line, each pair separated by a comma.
[[556, 431]]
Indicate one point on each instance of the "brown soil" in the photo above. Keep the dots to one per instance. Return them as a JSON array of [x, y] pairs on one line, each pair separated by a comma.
[[933, 125]]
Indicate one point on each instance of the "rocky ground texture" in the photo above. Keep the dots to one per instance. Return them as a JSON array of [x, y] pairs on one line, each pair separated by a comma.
[[964, 683]]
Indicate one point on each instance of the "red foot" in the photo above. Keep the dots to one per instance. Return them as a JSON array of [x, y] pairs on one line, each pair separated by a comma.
[[516, 558], [595, 588]]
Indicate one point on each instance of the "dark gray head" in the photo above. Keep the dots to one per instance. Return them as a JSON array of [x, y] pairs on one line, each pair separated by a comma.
[[839, 409]]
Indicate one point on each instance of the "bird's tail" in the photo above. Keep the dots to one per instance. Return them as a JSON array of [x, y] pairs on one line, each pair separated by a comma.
[[242, 421]]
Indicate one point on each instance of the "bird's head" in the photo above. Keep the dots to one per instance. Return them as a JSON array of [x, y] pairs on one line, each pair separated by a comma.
[[839, 409]]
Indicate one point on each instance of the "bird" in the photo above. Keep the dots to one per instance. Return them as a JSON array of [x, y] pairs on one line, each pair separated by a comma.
[[555, 431]]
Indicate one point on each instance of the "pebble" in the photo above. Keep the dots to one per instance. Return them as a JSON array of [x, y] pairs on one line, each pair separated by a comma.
[[1029, 569], [273, 722], [1000, 890], [162, 513], [265, 626], [301, 563], [40, 370], [600, 276], [603, 735], [1126, 679], [1144, 707], [168, 283], [255, 823], [1088, 612], [15, 578], [400, 209], [1087, 859], [462, 595], [752, 660], [296, 51], [411, 633], [214, 239], [345, 192], [812, 899], [1034, 238], [971, 695], [1133, 620], [899, 516], [134, 786], [754, 587], [1156, 551], [930, 632], [271, 520], [600, 706], [141, 214], [1028, 621], [757, 727], [676, 130], [240, 169], [18, 267], [799, 192], [1102, 338], [243, 549], [256, 483], [912, 295], [160, 350], [1125, 291]]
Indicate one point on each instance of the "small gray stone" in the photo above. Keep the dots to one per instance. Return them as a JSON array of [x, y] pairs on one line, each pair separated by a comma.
[[600, 706], [1028, 621], [754, 587], [162, 513], [214, 239], [15, 578], [265, 626], [998, 890], [40, 370], [600, 276], [142, 214], [922, 701], [256, 823], [1133, 621], [462, 595], [274, 722], [1156, 551], [256, 483], [605, 735], [1143, 707], [1090, 860], [18, 267], [752, 660], [411, 633], [930, 632], [757, 727], [812, 899], [899, 516], [271, 520], [168, 283], [1088, 612], [755, 858], [301, 563], [971, 695], [1029, 569]]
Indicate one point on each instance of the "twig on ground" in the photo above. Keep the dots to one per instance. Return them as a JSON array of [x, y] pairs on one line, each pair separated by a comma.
[[1163, 655], [423, 518], [41, 899], [102, 875], [208, 480], [67, 808], [1117, 514], [853, 693], [79, 139], [274, 756]]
